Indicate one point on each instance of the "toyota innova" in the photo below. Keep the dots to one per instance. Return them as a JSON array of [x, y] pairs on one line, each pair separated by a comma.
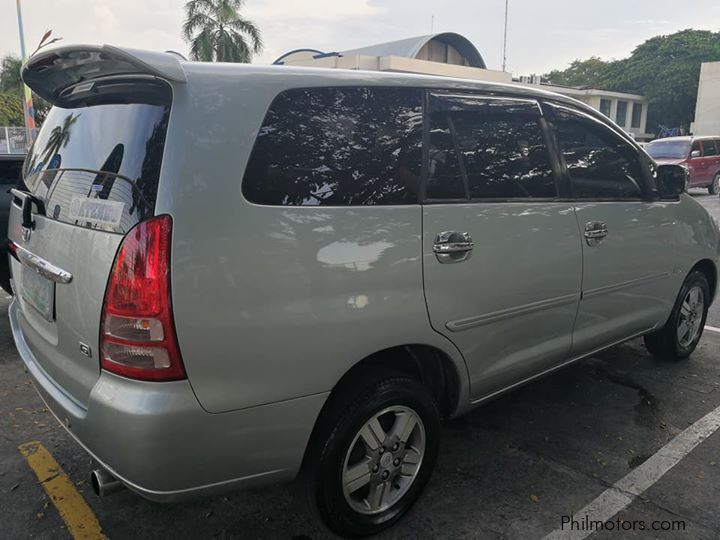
[[311, 268]]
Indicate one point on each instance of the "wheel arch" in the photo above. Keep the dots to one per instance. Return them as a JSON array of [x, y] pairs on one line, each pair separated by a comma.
[[428, 364], [707, 267]]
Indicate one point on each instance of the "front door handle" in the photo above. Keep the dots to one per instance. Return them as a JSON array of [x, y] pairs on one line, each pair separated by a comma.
[[453, 247], [595, 232]]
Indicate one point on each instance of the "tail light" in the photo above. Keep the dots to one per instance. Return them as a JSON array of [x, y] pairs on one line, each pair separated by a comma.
[[137, 333]]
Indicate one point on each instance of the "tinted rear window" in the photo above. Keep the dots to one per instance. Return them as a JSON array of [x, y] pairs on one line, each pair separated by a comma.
[[98, 164], [338, 146]]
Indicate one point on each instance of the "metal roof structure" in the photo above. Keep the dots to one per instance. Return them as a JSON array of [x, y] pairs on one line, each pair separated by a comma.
[[409, 48]]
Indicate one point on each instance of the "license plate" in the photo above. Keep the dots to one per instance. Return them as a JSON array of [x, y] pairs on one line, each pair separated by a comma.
[[39, 292]]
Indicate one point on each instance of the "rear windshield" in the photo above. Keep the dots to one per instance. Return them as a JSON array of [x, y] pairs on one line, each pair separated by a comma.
[[668, 149], [97, 164]]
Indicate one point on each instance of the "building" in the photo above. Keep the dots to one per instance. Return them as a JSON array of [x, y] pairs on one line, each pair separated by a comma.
[[447, 54], [707, 108], [451, 55]]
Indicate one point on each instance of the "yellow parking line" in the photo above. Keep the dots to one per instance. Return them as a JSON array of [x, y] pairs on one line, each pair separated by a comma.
[[80, 520]]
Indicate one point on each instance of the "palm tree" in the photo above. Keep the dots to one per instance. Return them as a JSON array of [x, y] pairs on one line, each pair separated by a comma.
[[217, 32]]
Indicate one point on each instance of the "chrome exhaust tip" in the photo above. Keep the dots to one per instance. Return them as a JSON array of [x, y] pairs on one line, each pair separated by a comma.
[[104, 483]]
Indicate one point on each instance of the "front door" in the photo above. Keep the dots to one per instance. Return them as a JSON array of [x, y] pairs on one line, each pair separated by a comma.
[[502, 255], [628, 275]]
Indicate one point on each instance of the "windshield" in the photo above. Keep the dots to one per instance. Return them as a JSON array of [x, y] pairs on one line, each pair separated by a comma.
[[668, 149], [99, 160]]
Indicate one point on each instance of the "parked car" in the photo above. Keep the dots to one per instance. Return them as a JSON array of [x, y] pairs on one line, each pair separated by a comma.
[[10, 174], [701, 155], [251, 273]]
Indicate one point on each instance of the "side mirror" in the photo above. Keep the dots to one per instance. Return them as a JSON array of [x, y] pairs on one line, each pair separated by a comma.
[[695, 153], [671, 180]]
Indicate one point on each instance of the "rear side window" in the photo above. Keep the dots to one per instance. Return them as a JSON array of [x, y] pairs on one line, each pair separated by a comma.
[[500, 153], [338, 146], [600, 164], [96, 163], [709, 149]]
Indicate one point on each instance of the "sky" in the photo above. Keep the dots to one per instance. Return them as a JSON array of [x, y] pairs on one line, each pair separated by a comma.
[[543, 34]]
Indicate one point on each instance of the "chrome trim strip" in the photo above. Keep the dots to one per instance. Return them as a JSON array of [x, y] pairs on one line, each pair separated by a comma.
[[525, 309], [42, 267], [561, 365], [624, 285]]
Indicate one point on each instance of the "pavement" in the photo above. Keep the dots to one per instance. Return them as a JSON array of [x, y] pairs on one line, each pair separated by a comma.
[[620, 436]]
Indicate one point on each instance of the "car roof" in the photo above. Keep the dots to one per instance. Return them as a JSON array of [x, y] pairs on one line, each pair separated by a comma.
[[50, 70]]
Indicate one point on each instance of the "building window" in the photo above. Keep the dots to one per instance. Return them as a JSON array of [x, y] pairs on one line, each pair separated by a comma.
[[636, 115], [605, 105], [621, 114]]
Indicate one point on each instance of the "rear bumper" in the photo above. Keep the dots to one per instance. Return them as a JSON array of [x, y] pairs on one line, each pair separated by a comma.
[[158, 441]]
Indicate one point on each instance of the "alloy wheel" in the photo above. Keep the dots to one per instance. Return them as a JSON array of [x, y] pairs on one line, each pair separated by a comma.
[[383, 460], [691, 316]]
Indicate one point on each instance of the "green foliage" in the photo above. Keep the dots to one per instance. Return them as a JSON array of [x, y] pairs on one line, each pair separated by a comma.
[[11, 112], [217, 33], [590, 72], [10, 80], [666, 69], [11, 89]]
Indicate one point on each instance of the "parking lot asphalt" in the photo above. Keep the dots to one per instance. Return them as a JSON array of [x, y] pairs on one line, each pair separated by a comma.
[[511, 469]]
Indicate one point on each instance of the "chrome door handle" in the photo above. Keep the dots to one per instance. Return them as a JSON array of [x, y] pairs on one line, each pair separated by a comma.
[[595, 232], [453, 247]]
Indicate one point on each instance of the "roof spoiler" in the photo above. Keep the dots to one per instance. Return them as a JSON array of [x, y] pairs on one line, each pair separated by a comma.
[[51, 72]]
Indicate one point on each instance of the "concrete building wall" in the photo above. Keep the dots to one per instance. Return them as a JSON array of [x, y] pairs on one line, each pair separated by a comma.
[[707, 108]]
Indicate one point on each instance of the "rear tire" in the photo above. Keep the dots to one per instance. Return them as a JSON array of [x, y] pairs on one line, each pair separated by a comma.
[[375, 458], [714, 188], [683, 330]]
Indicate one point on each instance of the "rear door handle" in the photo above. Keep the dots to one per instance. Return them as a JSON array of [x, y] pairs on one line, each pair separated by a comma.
[[41, 266], [453, 247], [595, 232]]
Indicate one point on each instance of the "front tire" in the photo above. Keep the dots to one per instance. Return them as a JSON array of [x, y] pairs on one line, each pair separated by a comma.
[[376, 460], [683, 330]]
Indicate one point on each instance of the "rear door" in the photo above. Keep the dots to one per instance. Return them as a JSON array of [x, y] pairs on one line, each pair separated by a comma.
[[502, 260], [628, 276], [90, 176]]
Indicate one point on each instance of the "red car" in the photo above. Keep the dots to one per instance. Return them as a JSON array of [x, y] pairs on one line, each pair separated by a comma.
[[701, 155]]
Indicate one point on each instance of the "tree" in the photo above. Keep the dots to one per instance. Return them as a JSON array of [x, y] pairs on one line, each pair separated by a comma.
[[591, 72], [10, 80], [11, 86], [11, 112], [665, 69], [217, 33]]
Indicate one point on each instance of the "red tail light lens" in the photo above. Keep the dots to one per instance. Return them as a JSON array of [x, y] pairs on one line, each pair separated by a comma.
[[137, 334]]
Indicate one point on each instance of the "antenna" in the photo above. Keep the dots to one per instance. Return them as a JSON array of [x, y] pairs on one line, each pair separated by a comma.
[[432, 23], [505, 37]]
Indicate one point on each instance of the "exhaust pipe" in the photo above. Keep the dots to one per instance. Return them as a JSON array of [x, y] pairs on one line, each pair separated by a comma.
[[104, 483]]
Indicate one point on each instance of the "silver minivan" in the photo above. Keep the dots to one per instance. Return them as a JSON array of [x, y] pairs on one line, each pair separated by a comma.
[[310, 268]]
